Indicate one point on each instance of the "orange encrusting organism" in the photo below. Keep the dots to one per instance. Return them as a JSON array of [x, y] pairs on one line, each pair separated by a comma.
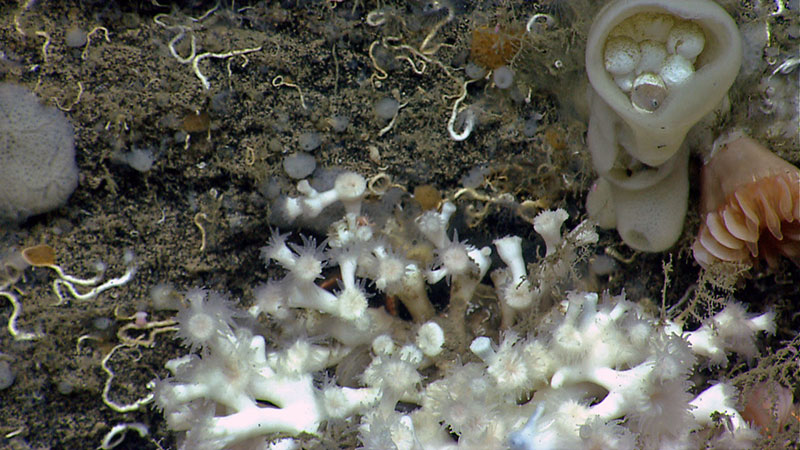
[[750, 206], [494, 47]]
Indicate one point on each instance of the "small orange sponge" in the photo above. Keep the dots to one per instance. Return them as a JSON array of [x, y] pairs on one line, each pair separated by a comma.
[[493, 47]]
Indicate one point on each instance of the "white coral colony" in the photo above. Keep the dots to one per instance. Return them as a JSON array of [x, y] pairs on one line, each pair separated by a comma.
[[656, 67]]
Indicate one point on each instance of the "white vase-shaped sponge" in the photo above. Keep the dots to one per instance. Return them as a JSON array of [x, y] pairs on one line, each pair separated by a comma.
[[685, 54], [656, 69]]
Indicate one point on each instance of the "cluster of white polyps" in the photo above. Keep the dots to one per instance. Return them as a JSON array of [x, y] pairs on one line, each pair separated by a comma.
[[609, 374], [520, 287], [599, 376], [237, 392], [618, 379]]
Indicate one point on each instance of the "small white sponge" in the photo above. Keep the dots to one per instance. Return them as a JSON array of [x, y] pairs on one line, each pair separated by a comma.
[[621, 55], [676, 70], [37, 155], [686, 39], [653, 56]]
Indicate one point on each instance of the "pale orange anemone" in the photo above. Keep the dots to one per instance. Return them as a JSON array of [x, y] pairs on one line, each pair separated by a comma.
[[750, 205]]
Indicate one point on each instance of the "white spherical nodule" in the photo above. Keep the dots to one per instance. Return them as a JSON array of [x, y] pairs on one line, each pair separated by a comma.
[[140, 160], [676, 70], [386, 108], [621, 55], [339, 123], [651, 25], [653, 54], [165, 297], [503, 77], [686, 39], [474, 71], [75, 37], [602, 265], [7, 375], [299, 165], [625, 81], [309, 141]]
